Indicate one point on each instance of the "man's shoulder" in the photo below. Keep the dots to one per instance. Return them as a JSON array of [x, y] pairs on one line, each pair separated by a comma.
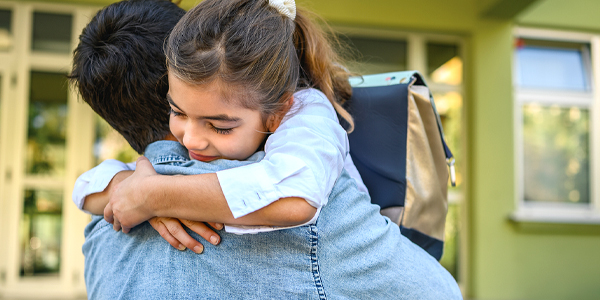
[[171, 158], [166, 151]]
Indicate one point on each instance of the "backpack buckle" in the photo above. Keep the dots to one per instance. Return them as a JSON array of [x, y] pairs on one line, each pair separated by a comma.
[[451, 163]]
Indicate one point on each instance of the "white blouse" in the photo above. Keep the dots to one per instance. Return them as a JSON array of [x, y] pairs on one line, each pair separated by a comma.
[[304, 157]]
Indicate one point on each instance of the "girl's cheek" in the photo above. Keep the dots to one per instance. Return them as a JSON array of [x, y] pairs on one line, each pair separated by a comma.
[[230, 148], [176, 127]]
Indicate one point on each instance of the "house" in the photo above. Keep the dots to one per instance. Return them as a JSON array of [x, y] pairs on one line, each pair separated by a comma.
[[516, 81]]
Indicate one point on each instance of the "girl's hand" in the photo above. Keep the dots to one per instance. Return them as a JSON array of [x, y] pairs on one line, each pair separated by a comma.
[[173, 232], [128, 205]]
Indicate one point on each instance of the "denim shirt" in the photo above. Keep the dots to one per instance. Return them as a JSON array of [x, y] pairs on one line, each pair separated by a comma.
[[171, 158], [352, 252]]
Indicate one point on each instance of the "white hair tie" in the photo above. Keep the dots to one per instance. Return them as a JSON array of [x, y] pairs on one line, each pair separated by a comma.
[[285, 7]]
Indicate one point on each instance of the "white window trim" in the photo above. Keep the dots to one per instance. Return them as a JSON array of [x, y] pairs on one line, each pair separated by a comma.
[[565, 213]]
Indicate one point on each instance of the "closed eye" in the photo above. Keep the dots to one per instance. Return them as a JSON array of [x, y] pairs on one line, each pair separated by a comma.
[[175, 113], [221, 130]]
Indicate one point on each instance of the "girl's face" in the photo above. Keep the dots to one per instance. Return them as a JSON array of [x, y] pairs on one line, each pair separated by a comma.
[[210, 127]]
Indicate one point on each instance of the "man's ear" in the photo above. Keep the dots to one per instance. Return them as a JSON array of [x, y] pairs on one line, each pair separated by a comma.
[[274, 120]]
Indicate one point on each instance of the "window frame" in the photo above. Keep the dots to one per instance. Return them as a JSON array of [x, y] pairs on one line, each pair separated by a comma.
[[568, 213]]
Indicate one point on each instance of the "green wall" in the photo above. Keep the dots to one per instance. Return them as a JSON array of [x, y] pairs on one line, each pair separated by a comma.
[[580, 15], [437, 15], [507, 260], [491, 156], [518, 261]]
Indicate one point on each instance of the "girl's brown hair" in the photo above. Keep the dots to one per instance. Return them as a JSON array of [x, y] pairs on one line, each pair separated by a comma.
[[264, 55]]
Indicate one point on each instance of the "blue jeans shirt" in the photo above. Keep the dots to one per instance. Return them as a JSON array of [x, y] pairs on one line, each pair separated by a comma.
[[352, 252]]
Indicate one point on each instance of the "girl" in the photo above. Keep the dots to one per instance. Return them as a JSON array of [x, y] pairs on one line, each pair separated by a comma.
[[271, 68]]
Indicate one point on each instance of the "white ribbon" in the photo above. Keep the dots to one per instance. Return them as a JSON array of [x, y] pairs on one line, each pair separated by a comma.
[[285, 7]]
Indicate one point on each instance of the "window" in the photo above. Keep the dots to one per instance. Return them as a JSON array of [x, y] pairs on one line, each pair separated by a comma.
[[444, 64], [550, 65], [46, 135], [554, 105], [5, 29], [370, 55], [41, 227], [51, 32], [41, 222]]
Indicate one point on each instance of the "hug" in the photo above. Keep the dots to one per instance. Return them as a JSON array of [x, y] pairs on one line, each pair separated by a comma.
[[246, 108]]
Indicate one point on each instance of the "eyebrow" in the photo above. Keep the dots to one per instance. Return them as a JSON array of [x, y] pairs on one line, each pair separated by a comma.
[[170, 100], [221, 117]]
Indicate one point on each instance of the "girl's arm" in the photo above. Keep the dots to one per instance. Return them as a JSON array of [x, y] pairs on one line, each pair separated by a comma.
[[146, 194], [170, 229], [95, 203], [94, 183]]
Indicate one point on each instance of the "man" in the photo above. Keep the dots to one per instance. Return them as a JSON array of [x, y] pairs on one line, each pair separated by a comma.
[[119, 70]]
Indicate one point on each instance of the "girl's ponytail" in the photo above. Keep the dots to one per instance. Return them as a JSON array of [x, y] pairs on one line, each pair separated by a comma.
[[320, 67]]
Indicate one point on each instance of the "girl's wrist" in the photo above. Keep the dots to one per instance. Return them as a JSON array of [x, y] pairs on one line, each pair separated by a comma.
[[151, 189]]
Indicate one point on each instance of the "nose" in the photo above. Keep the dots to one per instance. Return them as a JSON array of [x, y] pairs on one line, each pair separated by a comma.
[[193, 137]]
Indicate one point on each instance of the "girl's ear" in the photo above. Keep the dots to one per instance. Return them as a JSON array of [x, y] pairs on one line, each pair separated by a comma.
[[275, 119]]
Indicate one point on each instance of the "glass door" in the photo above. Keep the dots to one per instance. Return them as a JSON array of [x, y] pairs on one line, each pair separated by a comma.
[[46, 141], [43, 193]]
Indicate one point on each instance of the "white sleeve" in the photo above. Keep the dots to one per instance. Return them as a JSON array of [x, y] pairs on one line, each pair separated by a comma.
[[97, 179], [304, 157]]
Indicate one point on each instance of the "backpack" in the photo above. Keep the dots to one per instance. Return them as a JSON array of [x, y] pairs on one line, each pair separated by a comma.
[[399, 150]]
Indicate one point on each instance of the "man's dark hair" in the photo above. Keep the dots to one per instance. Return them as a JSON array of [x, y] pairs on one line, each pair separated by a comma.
[[120, 71]]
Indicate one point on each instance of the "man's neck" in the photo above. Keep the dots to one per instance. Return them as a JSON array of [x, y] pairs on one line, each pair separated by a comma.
[[170, 137]]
